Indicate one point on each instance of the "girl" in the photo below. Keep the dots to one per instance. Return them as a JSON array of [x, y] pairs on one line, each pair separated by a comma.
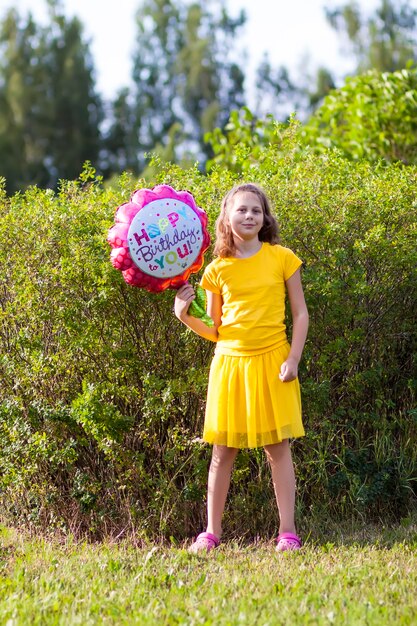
[[253, 396]]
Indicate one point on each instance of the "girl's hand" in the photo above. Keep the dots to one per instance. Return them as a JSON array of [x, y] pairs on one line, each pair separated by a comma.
[[289, 370], [183, 298]]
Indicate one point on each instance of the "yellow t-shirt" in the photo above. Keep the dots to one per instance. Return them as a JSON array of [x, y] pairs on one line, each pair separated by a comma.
[[253, 293]]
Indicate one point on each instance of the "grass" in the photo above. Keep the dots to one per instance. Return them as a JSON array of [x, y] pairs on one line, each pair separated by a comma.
[[363, 576]]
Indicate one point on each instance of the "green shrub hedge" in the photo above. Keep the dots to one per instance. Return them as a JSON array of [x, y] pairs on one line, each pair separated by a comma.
[[103, 390], [372, 116]]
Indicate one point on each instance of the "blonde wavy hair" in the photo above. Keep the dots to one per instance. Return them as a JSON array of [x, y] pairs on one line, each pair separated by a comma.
[[225, 246]]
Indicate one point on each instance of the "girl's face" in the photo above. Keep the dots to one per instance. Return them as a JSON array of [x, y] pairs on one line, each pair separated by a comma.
[[246, 215]]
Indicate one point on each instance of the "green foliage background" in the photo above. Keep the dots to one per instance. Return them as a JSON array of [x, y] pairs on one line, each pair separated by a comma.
[[372, 116], [103, 389]]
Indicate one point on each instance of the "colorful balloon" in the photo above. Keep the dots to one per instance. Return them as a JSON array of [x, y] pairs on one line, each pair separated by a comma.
[[159, 238]]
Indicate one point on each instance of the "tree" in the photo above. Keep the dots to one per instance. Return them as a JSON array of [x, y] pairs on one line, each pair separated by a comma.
[[280, 95], [49, 110], [184, 81], [324, 83], [275, 90], [21, 103], [120, 145], [76, 106], [211, 85], [372, 116], [385, 40]]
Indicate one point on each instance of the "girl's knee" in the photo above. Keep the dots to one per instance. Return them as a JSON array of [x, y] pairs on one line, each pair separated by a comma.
[[223, 454], [277, 450]]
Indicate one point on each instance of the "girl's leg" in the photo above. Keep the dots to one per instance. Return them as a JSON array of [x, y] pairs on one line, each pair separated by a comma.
[[218, 486], [283, 478]]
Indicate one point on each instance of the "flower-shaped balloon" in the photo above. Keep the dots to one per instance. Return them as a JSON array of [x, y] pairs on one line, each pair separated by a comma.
[[159, 238]]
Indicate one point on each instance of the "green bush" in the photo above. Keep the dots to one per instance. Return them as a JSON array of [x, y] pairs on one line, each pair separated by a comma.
[[103, 390], [373, 116]]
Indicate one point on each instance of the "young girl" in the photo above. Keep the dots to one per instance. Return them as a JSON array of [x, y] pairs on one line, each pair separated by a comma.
[[253, 396]]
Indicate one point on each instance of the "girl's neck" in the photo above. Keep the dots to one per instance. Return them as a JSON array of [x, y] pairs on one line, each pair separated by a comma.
[[244, 249]]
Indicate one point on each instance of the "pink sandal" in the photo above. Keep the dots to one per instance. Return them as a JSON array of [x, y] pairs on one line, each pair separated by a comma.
[[204, 543], [288, 541]]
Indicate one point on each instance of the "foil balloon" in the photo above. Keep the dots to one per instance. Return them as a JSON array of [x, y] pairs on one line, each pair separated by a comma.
[[159, 238]]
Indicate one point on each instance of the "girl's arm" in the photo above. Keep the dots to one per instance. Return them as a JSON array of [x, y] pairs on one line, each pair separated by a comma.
[[185, 295], [289, 369]]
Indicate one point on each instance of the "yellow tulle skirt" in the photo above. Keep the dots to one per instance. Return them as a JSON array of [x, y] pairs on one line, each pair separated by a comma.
[[247, 404]]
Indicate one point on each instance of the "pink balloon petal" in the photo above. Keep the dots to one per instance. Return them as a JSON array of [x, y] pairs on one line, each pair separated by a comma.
[[178, 282], [165, 191], [126, 212], [187, 198], [143, 196], [121, 259], [133, 276], [117, 235]]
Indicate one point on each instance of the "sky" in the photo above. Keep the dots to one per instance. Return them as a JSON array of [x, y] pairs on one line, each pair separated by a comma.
[[293, 33]]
